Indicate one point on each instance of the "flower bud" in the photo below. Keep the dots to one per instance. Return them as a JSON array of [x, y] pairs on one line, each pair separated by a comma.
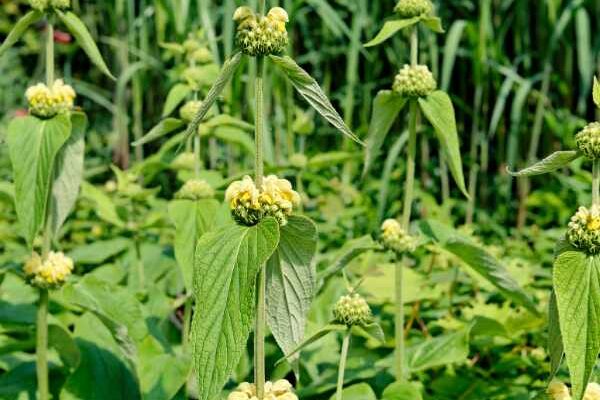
[[584, 229], [201, 56], [189, 110], [61, 4], [558, 391], [46, 102], [298, 160], [39, 5], [413, 8], [195, 189], [279, 390], [415, 81], [184, 161], [588, 141], [352, 310], [261, 36], [395, 238], [49, 273]]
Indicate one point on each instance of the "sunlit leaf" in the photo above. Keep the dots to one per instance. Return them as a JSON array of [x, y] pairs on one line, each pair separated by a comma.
[[551, 163], [20, 28], [390, 28]]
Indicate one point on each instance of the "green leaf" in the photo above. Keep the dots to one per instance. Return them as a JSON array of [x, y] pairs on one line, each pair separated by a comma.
[[442, 350], [401, 391], [176, 95], [373, 330], [551, 163], [433, 23], [20, 28], [310, 90], [84, 39], [229, 67], [330, 159], [439, 110], [386, 107], [479, 260], [390, 28], [360, 391], [68, 172], [291, 282], [235, 135], [33, 146], [161, 129], [99, 251], [104, 206], [104, 371], [327, 329], [61, 340], [225, 269], [577, 288], [555, 343], [349, 251], [192, 219], [596, 92]]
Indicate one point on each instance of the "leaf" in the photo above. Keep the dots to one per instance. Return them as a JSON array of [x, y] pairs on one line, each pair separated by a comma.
[[68, 172], [33, 146], [555, 343], [349, 251], [226, 265], [310, 90], [439, 110], [291, 282], [390, 28], [551, 163], [175, 96], [234, 135], [386, 107], [442, 350], [327, 329], [373, 330], [104, 371], [596, 93], [163, 128], [433, 23], [229, 67], [192, 219], [20, 28], [104, 206], [479, 260], [84, 39], [401, 391], [330, 159], [61, 340], [359, 391], [99, 251], [577, 287]]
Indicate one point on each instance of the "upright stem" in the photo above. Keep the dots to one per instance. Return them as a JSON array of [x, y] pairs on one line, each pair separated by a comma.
[[342, 368], [259, 332], [410, 164], [399, 322], [50, 54], [197, 155], [596, 183], [42, 345]]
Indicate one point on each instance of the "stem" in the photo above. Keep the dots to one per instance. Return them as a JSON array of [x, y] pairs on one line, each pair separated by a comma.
[[410, 165], [259, 121], [50, 54], [140, 265], [596, 183], [414, 47], [261, 7], [185, 332], [399, 323], [342, 368], [42, 345], [197, 155]]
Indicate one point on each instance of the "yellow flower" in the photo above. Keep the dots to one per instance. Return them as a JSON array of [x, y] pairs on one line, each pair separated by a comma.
[[46, 102], [195, 189], [49, 273], [592, 392], [395, 238], [584, 229], [279, 390], [280, 192], [261, 36], [244, 193], [558, 391]]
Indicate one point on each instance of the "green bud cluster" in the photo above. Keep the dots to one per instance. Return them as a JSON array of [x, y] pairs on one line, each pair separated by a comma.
[[184, 161], [584, 229], [415, 81], [261, 35], [588, 141], [352, 310], [395, 238], [195, 189], [43, 5], [61, 4], [298, 160], [189, 110], [413, 8]]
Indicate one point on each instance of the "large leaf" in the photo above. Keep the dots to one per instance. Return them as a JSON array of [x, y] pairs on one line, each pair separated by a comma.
[[310, 90], [401, 391], [20, 28], [192, 219], [386, 107], [225, 269], [479, 260], [555, 344], [291, 282], [33, 145], [360, 391], [105, 371], [551, 163], [390, 28], [84, 39], [229, 67], [176, 95], [161, 129], [439, 110], [68, 172], [577, 288], [235, 135], [442, 350], [61, 340], [99, 251]]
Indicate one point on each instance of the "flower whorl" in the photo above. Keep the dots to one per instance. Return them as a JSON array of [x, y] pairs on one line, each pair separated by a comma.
[[189, 110], [415, 81], [559, 391], [395, 238], [46, 102], [278, 390], [413, 8], [352, 309], [49, 273], [584, 229], [261, 35], [588, 141], [195, 189]]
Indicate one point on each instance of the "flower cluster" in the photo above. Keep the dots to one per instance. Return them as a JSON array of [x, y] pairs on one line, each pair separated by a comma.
[[184, 160], [559, 391], [42, 5], [413, 8], [261, 36], [352, 310], [249, 204], [588, 141], [189, 110], [195, 189], [278, 390], [298, 161], [415, 81], [46, 102], [584, 229], [395, 238], [49, 273], [196, 50]]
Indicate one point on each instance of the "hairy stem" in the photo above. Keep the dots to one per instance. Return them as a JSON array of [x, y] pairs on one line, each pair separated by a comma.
[[197, 163], [596, 183], [50, 54], [342, 367], [410, 164], [42, 345], [399, 322]]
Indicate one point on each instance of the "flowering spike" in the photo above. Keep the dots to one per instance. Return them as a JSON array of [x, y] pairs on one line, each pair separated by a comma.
[[415, 81]]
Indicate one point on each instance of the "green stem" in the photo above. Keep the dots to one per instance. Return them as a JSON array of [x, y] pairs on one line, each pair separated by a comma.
[[140, 265], [50, 54], [342, 368], [414, 46], [596, 183], [262, 7], [42, 346], [185, 332], [410, 164], [399, 322], [197, 155]]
